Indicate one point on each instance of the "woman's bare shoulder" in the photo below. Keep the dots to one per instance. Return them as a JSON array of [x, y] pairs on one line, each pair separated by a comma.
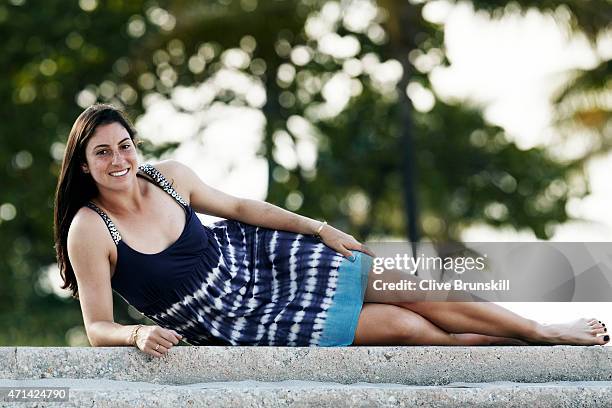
[[179, 175], [90, 250], [87, 226], [171, 168]]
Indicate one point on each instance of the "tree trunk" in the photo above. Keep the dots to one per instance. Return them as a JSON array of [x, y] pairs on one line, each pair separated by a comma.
[[402, 26]]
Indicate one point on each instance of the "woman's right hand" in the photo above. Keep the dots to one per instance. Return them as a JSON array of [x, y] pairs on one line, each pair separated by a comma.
[[149, 337]]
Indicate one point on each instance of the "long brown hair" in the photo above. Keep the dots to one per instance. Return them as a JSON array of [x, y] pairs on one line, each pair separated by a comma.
[[74, 187]]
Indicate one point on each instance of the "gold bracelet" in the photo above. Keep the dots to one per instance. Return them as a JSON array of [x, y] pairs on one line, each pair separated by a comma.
[[318, 233], [134, 335]]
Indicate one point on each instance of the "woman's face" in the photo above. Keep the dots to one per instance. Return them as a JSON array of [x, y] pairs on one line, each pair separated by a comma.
[[111, 157]]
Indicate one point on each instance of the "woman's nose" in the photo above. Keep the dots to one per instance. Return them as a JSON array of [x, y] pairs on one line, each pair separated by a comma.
[[116, 158]]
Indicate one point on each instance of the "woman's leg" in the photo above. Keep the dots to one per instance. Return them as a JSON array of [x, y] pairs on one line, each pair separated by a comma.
[[482, 317], [493, 320], [381, 324]]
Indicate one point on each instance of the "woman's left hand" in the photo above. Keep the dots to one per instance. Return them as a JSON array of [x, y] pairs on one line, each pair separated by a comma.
[[342, 242]]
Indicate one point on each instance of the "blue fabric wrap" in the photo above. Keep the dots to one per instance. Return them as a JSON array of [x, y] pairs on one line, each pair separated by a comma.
[[343, 314]]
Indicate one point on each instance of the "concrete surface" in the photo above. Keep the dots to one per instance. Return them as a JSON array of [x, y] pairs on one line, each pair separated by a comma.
[[109, 393], [346, 365]]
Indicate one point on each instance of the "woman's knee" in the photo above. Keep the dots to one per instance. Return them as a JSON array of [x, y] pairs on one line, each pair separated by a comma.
[[388, 324], [407, 325]]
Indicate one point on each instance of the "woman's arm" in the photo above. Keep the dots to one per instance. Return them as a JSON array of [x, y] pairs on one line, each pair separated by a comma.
[[89, 256], [270, 216], [208, 200], [267, 215]]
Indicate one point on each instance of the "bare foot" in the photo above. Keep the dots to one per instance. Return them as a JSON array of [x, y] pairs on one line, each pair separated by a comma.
[[582, 332]]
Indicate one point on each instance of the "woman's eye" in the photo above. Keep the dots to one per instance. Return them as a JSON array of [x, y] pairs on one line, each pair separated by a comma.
[[126, 146], [101, 152]]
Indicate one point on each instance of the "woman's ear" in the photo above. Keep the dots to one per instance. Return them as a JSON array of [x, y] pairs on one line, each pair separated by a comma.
[[85, 168]]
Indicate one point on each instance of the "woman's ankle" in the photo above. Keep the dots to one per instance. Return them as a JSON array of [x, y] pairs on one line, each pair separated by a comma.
[[538, 333]]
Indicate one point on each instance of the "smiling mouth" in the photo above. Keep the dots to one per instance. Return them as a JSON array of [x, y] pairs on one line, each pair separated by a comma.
[[119, 173]]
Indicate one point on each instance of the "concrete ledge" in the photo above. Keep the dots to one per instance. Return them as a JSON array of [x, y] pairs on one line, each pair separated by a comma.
[[423, 366], [8, 362], [107, 393]]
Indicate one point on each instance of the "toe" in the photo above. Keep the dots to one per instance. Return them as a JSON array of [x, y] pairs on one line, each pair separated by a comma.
[[600, 330]]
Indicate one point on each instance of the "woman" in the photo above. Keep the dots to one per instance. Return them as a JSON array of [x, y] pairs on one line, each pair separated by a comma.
[[265, 276]]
